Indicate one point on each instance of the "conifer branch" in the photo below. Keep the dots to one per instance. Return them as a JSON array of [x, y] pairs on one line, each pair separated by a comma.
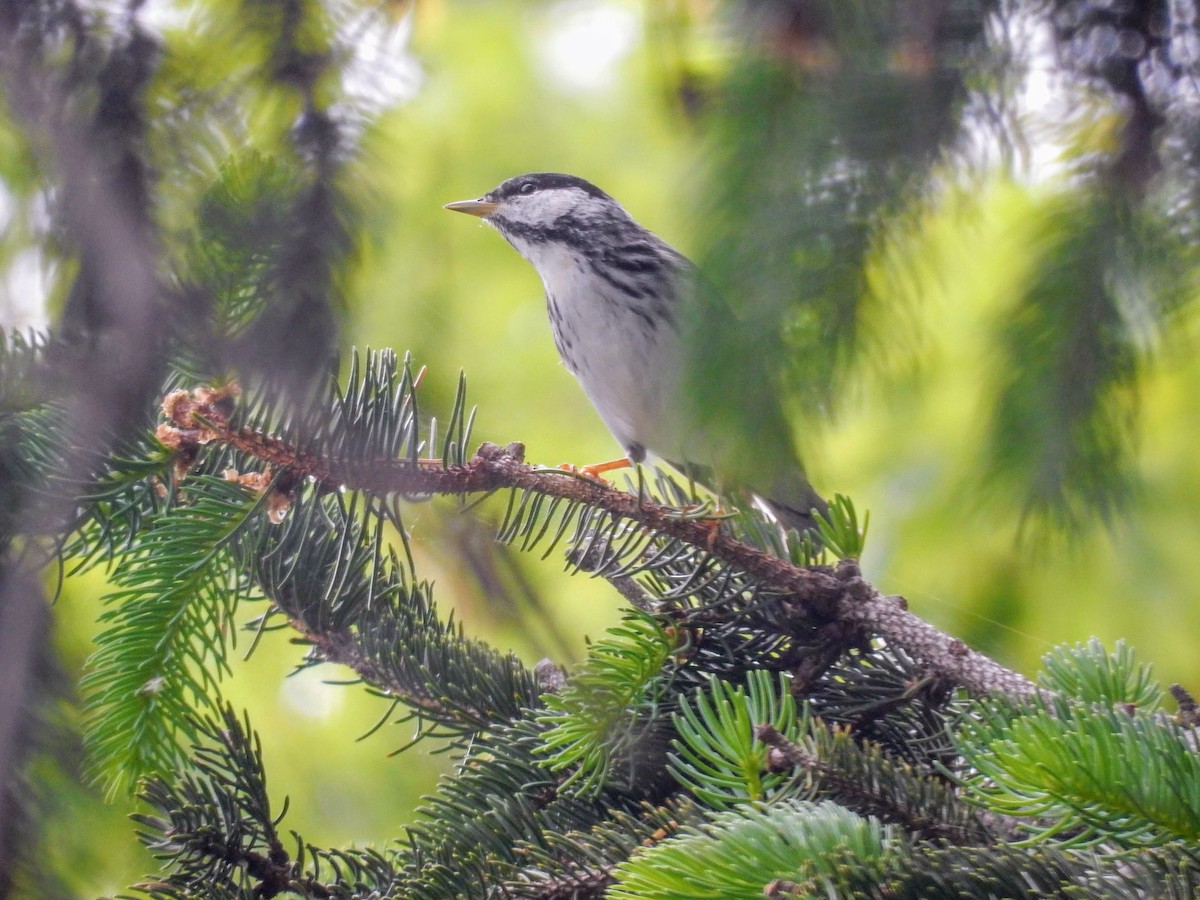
[[341, 645], [853, 783], [839, 597]]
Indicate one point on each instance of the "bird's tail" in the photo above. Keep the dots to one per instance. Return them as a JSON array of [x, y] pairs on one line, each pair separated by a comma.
[[794, 502], [790, 498]]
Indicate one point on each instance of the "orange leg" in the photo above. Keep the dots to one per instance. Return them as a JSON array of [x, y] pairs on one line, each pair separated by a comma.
[[598, 469]]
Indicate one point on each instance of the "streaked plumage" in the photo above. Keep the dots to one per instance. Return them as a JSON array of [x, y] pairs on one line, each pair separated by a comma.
[[613, 295]]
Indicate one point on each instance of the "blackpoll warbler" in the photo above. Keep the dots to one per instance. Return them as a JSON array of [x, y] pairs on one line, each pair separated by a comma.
[[615, 295]]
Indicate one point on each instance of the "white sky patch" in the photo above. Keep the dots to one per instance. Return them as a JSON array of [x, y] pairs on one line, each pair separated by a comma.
[[580, 44], [1028, 133], [24, 288], [1045, 104], [8, 207], [380, 71], [26, 275], [307, 693], [162, 16]]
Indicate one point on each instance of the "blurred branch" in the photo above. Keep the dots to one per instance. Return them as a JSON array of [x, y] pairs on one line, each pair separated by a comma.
[[839, 597], [23, 632], [296, 335], [1121, 46], [103, 190]]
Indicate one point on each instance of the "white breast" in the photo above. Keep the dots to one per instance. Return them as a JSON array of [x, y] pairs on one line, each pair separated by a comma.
[[629, 370]]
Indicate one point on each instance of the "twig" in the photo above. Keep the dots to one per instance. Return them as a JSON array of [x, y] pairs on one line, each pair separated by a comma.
[[841, 596]]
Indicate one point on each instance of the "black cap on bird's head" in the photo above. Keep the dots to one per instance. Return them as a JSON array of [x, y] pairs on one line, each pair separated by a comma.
[[508, 193]]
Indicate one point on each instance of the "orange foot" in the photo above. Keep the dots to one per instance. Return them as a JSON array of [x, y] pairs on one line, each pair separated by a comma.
[[711, 517], [598, 469], [713, 527]]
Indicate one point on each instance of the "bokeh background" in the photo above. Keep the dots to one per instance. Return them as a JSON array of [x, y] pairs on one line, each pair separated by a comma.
[[465, 94]]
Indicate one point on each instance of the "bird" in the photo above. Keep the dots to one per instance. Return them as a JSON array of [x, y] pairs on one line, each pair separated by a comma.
[[617, 298]]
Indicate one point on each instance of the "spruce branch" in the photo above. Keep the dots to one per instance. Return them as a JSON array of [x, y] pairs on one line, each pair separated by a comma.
[[717, 755], [576, 865], [163, 649], [1084, 774], [862, 778], [608, 716], [741, 852], [217, 825], [341, 645], [325, 567], [840, 597]]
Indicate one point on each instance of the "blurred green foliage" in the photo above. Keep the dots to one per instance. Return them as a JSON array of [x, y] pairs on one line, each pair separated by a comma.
[[915, 375]]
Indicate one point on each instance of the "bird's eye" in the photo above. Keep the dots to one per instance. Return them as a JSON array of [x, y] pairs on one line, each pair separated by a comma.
[[526, 188]]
